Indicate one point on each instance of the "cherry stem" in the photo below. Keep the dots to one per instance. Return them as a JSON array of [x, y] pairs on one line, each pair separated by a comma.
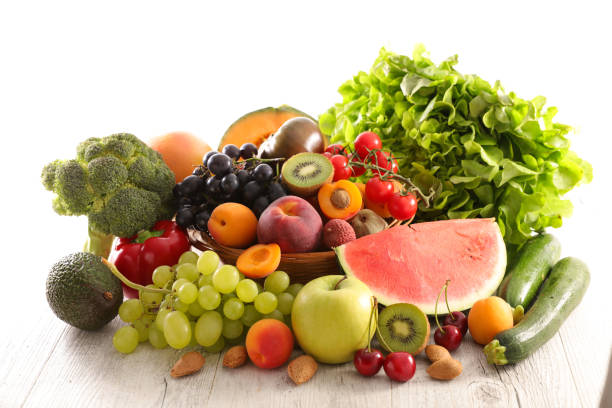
[[374, 303], [436, 306], [446, 299]]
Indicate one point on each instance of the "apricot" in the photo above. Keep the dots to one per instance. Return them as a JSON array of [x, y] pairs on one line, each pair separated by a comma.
[[488, 317], [341, 199], [269, 343], [181, 151], [259, 260], [233, 225]]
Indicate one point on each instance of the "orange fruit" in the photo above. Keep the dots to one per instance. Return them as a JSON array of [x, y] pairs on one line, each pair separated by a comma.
[[181, 151]]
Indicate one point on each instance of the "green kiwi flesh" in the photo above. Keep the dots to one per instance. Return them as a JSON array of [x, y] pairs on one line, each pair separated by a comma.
[[304, 173], [403, 327]]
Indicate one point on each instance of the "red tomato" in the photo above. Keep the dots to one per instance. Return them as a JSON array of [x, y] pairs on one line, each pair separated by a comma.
[[366, 142], [402, 207], [379, 191], [357, 169], [335, 148], [327, 154], [380, 159], [341, 169], [394, 166]]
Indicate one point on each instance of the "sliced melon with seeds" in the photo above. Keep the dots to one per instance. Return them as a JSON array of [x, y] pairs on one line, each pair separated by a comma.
[[305, 173]]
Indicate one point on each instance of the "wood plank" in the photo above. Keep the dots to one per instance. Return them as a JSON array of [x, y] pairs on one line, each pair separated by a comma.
[[25, 348], [332, 386], [85, 367], [479, 384]]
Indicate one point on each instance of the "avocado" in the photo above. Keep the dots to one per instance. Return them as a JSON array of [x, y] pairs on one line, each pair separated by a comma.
[[83, 292]]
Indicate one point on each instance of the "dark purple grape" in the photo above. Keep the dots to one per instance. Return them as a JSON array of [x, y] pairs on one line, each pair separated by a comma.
[[213, 186], [232, 151], [248, 150], [191, 185], [250, 191], [243, 177], [207, 156], [184, 201], [198, 171], [263, 173], [276, 191], [259, 205], [201, 220], [184, 217], [219, 164], [176, 190], [229, 183], [197, 199]]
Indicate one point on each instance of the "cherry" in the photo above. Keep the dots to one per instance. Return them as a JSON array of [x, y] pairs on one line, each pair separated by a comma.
[[399, 366], [457, 319], [448, 336], [368, 361]]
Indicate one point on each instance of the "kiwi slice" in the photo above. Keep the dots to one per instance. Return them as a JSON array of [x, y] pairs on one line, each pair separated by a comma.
[[304, 173], [403, 327]]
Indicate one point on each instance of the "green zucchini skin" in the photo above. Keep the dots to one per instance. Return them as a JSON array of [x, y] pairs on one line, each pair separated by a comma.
[[560, 294], [534, 261]]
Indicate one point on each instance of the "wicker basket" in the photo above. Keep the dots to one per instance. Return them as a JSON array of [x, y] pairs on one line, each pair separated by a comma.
[[300, 267]]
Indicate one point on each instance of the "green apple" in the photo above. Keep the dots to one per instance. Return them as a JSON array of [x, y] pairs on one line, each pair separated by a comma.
[[330, 318]]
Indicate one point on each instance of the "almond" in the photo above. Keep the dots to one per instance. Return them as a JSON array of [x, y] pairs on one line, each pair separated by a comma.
[[235, 357], [435, 352], [445, 369], [302, 368], [188, 364]]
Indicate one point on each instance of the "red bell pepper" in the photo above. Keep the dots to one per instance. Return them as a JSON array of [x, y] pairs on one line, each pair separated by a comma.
[[136, 257]]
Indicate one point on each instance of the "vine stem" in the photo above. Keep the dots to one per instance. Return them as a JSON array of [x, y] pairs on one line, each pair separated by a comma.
[[129, 283]]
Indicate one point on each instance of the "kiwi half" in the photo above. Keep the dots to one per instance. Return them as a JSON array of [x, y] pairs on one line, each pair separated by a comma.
[[304, 173], [403, 327]]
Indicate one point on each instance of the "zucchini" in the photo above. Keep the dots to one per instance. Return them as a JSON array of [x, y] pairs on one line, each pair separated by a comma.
[[560, 294], [533, 263]]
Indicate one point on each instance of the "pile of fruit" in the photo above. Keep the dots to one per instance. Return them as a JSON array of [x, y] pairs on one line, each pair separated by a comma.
[[276, 188]]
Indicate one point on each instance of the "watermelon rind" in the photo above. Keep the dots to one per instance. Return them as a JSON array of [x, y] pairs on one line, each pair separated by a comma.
[[487, 288]]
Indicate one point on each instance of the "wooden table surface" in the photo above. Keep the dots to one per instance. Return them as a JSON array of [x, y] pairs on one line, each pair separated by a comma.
[[45, 363]]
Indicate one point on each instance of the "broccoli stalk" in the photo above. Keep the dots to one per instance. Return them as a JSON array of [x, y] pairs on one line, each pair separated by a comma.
[[121, 185], [98, 243]]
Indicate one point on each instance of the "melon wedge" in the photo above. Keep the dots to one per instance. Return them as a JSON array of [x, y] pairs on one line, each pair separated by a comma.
[[411, 263]]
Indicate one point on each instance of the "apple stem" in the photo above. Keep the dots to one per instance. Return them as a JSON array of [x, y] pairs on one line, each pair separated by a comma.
[[338, 283], [446, 299], [436, 306]]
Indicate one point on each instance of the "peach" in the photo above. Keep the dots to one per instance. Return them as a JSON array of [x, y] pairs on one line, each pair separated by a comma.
[[292, 223], [269, 343], [233, 225]]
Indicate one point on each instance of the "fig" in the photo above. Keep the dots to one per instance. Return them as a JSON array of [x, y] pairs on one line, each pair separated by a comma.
[[297, 135], [367, 222]]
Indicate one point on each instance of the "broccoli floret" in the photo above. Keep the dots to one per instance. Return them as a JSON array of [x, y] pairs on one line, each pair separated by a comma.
[[120, 183]]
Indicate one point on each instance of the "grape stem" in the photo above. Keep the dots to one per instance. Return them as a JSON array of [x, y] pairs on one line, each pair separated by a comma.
[[131, 284]]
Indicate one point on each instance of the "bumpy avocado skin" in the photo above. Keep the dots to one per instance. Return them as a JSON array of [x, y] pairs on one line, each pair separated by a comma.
[[83, 292]]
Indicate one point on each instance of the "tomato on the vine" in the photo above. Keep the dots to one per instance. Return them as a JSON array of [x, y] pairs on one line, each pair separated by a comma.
[[366, 142], [390, 159], [335, 148], [341, 168], [356, 168], [379, 158], [327, 154], [402, 207], [379, 191]]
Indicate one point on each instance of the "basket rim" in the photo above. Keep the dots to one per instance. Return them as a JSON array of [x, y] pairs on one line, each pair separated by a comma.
[[197, 236]]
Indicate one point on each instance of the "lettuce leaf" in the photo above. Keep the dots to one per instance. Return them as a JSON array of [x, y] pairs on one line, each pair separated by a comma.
[[488, 153]]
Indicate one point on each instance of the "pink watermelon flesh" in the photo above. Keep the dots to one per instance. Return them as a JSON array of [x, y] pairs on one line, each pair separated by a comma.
[[410, 264]]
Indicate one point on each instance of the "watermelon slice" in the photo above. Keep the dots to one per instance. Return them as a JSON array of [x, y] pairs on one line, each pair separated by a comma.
[[411, 263]]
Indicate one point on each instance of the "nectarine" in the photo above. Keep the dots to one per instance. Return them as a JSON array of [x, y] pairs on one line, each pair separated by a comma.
[[269, 343]]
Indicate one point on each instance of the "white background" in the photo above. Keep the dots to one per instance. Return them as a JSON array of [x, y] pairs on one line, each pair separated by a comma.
[[71, 70]]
